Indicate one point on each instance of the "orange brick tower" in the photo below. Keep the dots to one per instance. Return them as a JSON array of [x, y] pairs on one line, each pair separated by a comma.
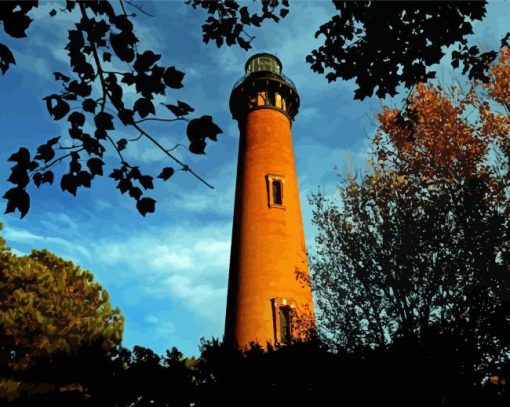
[[266, 302]]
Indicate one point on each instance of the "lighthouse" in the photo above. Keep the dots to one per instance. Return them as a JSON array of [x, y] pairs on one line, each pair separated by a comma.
[[269, 298]]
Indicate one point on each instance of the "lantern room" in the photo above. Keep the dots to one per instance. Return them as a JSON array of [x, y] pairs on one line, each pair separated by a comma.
[[264, 86]]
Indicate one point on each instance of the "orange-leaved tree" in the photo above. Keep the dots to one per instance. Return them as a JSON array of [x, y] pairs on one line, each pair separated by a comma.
[[418, 247]]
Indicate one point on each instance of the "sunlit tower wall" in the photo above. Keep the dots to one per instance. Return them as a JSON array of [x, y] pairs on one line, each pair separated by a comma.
[[267, 302]]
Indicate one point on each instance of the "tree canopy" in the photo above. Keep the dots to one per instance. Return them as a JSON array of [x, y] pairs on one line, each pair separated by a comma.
[[49, 306], [380, 44], [419, 244]]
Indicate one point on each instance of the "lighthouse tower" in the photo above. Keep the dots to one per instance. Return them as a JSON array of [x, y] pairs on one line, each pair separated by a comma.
[[269, 299]]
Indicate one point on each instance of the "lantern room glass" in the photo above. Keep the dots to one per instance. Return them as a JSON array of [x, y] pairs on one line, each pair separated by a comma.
[[263, 63]]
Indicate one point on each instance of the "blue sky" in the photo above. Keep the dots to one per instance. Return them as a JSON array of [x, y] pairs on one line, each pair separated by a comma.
[[168, 272]]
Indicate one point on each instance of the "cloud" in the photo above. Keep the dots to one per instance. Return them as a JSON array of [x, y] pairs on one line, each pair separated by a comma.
[[160, 326], [189, 262], [25, 236], [207, 301]]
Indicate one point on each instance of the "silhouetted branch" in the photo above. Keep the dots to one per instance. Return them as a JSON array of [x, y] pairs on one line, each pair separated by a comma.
[[157, 119], [185, 167], [139, 8]]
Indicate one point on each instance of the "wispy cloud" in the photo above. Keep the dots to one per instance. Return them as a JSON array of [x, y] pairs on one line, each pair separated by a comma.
[[189, 263], [39, 241]]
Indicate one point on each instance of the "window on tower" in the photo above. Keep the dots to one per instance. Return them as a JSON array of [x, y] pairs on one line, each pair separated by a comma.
[[285, 323], [275, 191], [284, 310], [262, 99], [278, 100]]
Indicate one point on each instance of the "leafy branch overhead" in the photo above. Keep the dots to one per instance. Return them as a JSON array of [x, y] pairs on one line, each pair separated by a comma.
[[227, 20], [92, 99], [380, 44]]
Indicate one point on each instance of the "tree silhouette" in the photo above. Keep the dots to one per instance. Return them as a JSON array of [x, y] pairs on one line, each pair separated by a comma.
[[419, 247], [382, 44], [92, 99]]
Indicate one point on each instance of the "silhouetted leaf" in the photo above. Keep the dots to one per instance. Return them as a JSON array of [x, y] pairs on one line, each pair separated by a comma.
[[146, 205], [122, 22], [181, 109], [144, 61], [75, 165], [197, 146], [19, 176], [144, 107], [107, 57], [135, 173], [17, 198], [53, 13], [185, 106], [95, 166], [70, 183], [56, 106], [124, 185], [82, 88], [116, 174], [84, 178], [89, 105], [76, 119], [6, 58], [47, 177], [243, 43], [173, 78], [122, 47], [128, 78], [121, 144], [22, 157], [45, 152], [166, 173], [126, 116], [201, 128], [135, 192], [61, 77], [146, 181], [104, 121], [16, 24], [37, 178], [245, 15]]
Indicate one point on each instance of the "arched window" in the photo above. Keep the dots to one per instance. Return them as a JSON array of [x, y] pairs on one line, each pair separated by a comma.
[[277, 192]]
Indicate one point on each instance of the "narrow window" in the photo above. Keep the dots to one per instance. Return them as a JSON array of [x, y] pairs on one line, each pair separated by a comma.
[[275, 184], [284, 315], [284, 310], [277, 192], [261, 98], [278, 100]]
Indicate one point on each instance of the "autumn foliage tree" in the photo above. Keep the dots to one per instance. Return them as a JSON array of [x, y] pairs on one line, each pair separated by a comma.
[[49, 306], [419, 247]]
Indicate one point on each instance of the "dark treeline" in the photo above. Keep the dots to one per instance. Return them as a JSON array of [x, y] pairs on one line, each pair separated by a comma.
[[430, 372]]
